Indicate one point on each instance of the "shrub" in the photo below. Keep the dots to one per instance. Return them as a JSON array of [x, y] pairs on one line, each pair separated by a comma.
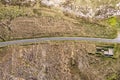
[[112, 21]]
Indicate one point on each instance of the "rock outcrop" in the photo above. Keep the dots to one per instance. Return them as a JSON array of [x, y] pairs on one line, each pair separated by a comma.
[[87, 8]]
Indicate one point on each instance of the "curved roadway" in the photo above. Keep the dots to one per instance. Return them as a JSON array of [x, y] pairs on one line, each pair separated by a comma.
[[36, 40]]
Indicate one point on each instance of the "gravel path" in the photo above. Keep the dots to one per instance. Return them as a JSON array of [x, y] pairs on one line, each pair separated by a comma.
[[36, 40]]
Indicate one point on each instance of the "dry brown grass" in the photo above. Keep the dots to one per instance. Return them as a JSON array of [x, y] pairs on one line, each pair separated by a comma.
[[24, 27], [51, 59], [60, 60], [50, 23]]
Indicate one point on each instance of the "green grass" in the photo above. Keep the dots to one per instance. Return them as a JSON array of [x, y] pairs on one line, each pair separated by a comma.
[[99, 30], [117, 51], [113, 76], [11, 12]]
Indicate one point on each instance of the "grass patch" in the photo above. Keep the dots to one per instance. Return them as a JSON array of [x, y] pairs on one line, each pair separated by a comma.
[[11, 12], [3, 51], [113, 76], [117, 51]]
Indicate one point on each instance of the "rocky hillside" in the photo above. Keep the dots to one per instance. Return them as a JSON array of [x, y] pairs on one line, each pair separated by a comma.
[[56, 61], [87, 8], [95, 9]]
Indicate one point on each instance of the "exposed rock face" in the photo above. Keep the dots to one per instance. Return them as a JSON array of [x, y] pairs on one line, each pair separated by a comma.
[[53, 61], [52, 2], [87, 8]]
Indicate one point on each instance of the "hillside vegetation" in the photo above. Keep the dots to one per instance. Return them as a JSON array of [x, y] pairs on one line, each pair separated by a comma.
[[27, 22], [58, 60]]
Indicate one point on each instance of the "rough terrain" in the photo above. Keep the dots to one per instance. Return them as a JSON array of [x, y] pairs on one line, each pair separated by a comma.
[[33, 27], [66, 60], [59, 60]]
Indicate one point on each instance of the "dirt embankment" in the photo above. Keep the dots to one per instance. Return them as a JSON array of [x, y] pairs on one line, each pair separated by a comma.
[[55, 61], [24, 27]]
